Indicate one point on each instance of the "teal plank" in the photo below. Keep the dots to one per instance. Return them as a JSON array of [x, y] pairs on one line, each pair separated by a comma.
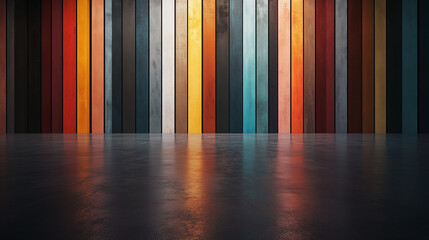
[[262, 66], [409, 66], [249, 66], [142, 66], [155, 64]]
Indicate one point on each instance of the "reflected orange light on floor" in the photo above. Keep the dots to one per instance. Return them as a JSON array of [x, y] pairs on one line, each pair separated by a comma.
[[199, 172], [291, 181], [85, 171]]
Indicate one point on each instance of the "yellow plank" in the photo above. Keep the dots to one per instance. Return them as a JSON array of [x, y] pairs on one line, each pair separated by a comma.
[[83, 70], [194, 66]]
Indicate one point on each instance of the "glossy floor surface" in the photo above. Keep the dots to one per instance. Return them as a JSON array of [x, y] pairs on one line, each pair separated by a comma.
[[214, 187]]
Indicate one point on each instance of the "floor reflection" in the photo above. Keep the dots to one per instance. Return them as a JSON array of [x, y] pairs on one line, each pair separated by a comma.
[[225, 186]]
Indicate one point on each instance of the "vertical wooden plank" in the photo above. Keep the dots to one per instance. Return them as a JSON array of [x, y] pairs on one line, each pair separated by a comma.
[[222, 66], [423, 67], [354, 66], [155, 124], [129, 66], [83, 61], [297, 66], [330, 66], [194, 66], [97, 66], [341, 66], [273, 66], [236, 66], [10, 67], [394, 66], [46, 66], [3, 66], [321, 66], [262, 66], [249, 66], [309, 66], [209, 66], [57, 66], [108, 34], [368, 66], [181, 66], [409, 66], [69, 66], [142, 66], [380, 66], [284, 66], [117, 66], [168, 66], [34, 66], [21, 67], [325, 66]]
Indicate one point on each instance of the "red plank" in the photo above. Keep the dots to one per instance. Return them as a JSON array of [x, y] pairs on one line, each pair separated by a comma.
[[325, 66], [46, 66], [69, 66]]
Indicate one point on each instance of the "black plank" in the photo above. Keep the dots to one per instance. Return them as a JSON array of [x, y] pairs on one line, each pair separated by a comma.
[[394, 66], [10, 68], [222, 66], [34, 66], [129, 66], [273, 66], [236, 66], [117, 66], [21, 100]]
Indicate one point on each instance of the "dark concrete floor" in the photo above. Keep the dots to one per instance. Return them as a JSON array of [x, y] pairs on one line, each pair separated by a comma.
[[214, 187]]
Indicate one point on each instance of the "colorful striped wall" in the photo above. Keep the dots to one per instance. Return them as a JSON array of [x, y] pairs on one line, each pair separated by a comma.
[[214, 66]]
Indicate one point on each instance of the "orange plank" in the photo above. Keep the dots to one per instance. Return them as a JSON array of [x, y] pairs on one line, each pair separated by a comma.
[[297, 66], [209, 69], [284, 66], [83, 66], [97, 66]]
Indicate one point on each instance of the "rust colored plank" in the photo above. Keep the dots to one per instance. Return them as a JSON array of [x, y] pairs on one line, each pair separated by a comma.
[[209, 66], [297, 66], [368, 66]]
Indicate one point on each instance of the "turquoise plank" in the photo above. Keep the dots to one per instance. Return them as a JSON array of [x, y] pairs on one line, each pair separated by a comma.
[[262, 66], [409, 66], [249, 66], [142, 66], [155, 66]]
